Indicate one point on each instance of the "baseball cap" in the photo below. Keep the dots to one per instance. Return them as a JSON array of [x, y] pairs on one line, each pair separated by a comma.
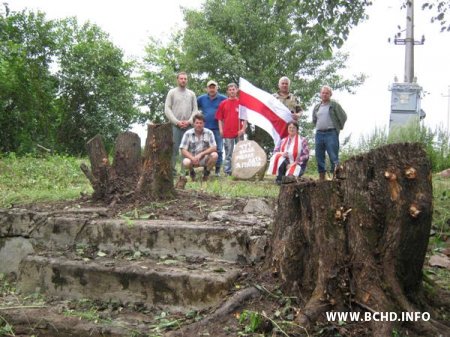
[[211, 83]]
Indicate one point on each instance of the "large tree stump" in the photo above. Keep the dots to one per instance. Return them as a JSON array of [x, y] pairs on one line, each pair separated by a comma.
[[358, 243], [157, 177], [131, 176]]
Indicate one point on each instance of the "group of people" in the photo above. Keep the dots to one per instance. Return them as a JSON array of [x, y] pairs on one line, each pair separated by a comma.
[[204, 126]]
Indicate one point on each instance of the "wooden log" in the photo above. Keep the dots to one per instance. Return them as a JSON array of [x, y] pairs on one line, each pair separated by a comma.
[[102, 174], [127, 156], [360, 239], [156, 179], [97, 154]]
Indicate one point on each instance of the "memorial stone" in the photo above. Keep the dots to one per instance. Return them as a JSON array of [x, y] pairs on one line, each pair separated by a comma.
[[249, 160]]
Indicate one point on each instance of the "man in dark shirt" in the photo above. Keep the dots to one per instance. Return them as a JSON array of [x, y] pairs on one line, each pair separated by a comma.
[[208, 104]]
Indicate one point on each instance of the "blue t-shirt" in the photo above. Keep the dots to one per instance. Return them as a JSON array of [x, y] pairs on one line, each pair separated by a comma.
[[209, 107]]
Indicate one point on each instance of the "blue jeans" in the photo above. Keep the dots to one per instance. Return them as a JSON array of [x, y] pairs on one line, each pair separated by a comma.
[[229, 148], [327, 141], [219, 142], [177, 136]]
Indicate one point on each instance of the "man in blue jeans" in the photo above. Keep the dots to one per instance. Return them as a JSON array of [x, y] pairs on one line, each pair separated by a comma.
[[208, 104], [329, 119]]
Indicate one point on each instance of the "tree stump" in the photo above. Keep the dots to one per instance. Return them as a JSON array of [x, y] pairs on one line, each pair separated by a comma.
[[358, 243], [156, 179], [131, 176]]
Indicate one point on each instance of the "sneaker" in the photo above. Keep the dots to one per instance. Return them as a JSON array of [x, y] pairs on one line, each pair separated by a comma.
[[278, 181], [217, 173], [192, 174], [181, 183]]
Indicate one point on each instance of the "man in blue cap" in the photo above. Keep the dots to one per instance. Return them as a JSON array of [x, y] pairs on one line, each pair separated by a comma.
[[208, 104]]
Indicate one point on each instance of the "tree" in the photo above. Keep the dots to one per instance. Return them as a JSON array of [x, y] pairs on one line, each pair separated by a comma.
[[27, 86], [60, 84], [441, 10], [96, 90], [260, 41], [158, 70]]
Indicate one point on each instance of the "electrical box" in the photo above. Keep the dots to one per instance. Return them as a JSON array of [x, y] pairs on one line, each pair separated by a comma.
[[405, 104]]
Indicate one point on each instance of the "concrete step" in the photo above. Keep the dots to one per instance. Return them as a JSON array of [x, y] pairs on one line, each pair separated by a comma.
[[229, 241], [169, 237], [177, 285]]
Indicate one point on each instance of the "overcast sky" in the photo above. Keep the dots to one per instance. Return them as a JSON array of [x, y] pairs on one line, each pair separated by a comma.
[[132, 22]]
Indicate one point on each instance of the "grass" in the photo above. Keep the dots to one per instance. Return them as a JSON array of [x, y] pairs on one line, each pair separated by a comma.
[[441, 215], [30, 179], [229, 187]]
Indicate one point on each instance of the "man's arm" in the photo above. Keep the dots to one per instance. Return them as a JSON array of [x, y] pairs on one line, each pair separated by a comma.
[[298, 111], [207, 151], [304, 154], [219, 117], [186, 154], [194, 108], [342, 116], [244, 127], [168, 109]]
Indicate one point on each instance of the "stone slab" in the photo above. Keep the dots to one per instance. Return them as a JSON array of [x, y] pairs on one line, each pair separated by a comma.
[[177, 285]]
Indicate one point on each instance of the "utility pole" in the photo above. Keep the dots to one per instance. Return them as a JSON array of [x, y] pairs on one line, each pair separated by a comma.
[[409, 42], [405, 98]]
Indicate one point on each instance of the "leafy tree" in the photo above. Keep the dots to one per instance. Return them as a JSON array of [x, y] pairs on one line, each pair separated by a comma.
[[27, 87], [440, 10], [60, 84], [261, 41], [96, 89], [158, 70]]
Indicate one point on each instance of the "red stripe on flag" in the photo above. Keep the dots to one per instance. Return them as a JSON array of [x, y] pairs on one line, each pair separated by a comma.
[[275, 164], [254, 104], [291, 170], [295, 152]]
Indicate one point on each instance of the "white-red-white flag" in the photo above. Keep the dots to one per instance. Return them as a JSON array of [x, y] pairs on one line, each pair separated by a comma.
[[264, 110]]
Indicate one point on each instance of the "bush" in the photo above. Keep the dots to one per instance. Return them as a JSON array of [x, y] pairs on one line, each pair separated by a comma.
[[436, 142]]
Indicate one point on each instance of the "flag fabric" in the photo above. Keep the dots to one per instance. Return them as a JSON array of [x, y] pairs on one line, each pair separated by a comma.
[[264, 110], [294, 150]]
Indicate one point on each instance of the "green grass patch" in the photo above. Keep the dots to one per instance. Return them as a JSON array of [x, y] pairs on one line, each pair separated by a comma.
[[229, 187], [29, 179], [441, 212]]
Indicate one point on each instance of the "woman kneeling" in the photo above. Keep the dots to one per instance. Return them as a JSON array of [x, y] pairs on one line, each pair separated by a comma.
[[290, 156]]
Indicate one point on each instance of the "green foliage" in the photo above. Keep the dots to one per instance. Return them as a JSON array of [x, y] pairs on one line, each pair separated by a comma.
[[229, 187], [251, 319], [60, 84], [440, 10], [164, 322], [158, 70], [87, 310], [258, 40], [29, 179], [436, 142], [441, 214], [96, 91], [5, 328], [27, 86]]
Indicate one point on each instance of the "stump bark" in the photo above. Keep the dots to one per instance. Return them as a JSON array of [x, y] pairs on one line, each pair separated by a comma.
[[358, 243], [132, 176]]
